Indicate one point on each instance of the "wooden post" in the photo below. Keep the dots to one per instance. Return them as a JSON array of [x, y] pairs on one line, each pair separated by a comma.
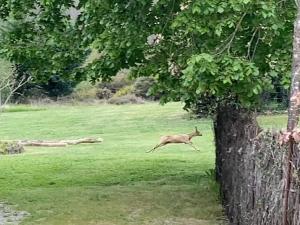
[[293, 119]]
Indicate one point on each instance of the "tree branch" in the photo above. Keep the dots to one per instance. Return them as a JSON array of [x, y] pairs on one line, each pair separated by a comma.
[[256, 44], [13, 88], [232, 36], [250, 44]]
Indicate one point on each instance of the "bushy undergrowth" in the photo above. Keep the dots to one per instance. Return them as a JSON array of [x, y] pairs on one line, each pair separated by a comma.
[[84, 91], [121, 90], [127, 90], [126, 99], [142, 87], [118, 82], [104, 93]]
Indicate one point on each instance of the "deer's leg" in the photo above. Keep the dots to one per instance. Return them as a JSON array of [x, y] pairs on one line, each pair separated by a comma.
[[192, 145], [157, 146]]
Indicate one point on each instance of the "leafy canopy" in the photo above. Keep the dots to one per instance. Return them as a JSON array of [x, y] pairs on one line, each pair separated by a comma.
[[201, 49], [41, 36]]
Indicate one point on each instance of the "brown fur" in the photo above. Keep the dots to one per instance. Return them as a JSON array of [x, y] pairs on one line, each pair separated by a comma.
[[178, 138]]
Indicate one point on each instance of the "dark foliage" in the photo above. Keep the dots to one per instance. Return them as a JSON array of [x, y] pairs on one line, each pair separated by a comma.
[[56, 87], [53, 88]]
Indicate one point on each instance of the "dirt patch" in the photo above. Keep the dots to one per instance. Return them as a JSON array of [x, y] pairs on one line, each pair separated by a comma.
[[8, 216]]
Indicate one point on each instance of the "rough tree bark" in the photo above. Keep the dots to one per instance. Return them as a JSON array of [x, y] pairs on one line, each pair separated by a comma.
[[293, 119], [233, 128]]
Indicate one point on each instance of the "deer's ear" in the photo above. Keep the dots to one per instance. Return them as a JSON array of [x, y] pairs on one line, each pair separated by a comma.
[[196, 128]]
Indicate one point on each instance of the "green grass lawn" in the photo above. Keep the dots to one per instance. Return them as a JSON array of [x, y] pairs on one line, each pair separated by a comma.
[[114, 182], [275, 122]]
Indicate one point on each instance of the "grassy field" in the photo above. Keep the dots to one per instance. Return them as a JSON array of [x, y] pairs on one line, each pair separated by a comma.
[[274, 122], [114, 182]]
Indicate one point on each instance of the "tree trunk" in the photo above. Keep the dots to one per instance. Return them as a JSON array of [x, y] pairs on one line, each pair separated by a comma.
[[234, 128], [294, 109], [293, 119]]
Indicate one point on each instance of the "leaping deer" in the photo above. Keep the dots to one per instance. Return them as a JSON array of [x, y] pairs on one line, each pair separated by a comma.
[[179, 138]]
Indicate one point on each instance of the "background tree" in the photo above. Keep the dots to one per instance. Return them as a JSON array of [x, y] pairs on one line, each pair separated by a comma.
[[197, 50], [213, 51], [43, 40]]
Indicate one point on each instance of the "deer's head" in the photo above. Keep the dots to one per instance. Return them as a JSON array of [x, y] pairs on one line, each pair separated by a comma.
[[197, 133]]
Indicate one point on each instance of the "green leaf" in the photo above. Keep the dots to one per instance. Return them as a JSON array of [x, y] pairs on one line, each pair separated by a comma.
[[273, 73], [220, 9], [255, 91]]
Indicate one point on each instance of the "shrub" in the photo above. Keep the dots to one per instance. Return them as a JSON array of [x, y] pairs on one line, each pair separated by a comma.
[[124, 91], [142, 86], [119, 81], [104, 93], [126, 99], [34, 94], [57, 87], [84, 91]]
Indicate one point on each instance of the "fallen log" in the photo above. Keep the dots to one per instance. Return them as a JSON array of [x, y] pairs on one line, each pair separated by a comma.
[[61, 143], [42, 144], [83, 141]]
